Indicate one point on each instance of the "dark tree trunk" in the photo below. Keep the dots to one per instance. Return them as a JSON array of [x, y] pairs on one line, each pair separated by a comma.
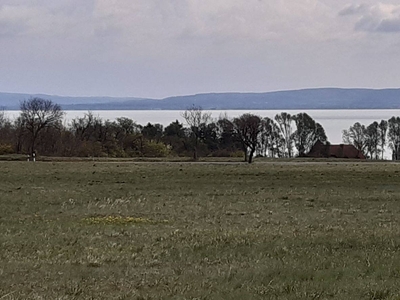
[[195, 156], [251, 155], [32, 146]]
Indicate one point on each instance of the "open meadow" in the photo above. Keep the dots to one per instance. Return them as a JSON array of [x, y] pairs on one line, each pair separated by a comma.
[[270, 230]]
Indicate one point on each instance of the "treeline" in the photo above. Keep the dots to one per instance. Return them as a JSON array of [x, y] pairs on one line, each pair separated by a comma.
[[40, 128], [374, 138]]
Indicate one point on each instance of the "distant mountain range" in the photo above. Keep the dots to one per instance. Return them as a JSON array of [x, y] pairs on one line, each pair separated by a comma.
[[320, 98]]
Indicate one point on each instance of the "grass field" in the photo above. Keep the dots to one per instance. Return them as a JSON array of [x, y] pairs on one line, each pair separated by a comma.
[[273, 230]]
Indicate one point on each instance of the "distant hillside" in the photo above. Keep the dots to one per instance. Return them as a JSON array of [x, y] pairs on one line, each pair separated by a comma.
[[322, 98], [11, 100]]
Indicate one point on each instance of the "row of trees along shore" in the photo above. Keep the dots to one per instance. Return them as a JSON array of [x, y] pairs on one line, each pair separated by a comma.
[[40, 128]]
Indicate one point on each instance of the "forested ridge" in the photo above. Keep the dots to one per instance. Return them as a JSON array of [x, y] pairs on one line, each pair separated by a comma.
[[314, 98]]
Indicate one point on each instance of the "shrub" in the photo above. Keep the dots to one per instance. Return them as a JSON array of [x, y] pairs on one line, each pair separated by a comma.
[[6, 149], [154, 149]]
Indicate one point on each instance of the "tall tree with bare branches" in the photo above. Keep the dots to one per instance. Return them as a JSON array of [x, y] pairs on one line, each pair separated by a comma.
[[383, 128], [195, 118], [248, 128], [38, 114], [356, 136], [285, 122], [307, 133]]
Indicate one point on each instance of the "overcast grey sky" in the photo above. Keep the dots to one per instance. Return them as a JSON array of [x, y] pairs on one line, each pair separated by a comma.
[[160, 48]]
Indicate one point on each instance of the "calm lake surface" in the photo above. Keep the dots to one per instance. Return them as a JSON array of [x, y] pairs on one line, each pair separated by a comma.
[[333, 121]]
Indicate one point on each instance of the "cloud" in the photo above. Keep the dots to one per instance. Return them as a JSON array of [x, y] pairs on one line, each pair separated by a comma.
[[152, 23], [166, 47], [384, 18], [197, 27], [13, 20], [44, 18], [390, 25], [352, 9]]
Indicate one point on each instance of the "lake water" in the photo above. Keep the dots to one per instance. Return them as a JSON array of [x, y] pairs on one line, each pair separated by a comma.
[[333, 121]]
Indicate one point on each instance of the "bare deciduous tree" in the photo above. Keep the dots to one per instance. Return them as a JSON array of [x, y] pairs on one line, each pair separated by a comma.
[[383, 127], [373, 137], [6, 134], [38, 114], [248, 128], [356, 136], [195, 117], [394, 136], [2, 118], [271, 140], [308, 132], [285, 121]]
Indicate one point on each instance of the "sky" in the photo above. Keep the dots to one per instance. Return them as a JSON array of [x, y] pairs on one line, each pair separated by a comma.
[[161, 48]]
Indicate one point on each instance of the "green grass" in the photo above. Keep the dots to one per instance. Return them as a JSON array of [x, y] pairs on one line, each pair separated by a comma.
[[272, 230]]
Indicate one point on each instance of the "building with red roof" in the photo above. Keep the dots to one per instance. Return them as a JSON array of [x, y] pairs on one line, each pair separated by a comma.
[[337, 151]]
